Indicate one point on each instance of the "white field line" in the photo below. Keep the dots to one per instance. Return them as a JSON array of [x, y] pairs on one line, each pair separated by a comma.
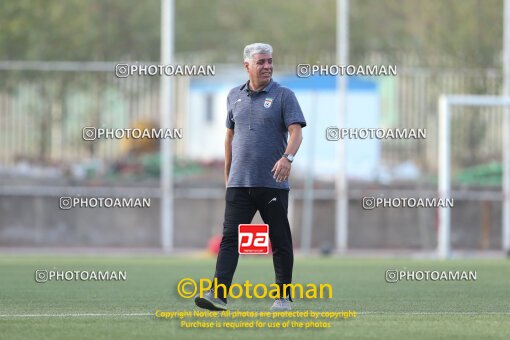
[[434, 313], [72, 315], [151, 314]]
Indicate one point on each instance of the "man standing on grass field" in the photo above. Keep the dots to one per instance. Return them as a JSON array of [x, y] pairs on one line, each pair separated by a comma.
[[261, 116]]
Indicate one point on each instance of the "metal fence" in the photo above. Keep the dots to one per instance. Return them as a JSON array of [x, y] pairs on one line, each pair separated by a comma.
[[44, 106]]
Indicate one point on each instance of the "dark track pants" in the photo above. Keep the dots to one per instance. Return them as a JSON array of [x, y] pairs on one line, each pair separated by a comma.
[[241, 206]]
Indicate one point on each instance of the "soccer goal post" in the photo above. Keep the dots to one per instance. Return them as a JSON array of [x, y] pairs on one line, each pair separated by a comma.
[[446, 102]]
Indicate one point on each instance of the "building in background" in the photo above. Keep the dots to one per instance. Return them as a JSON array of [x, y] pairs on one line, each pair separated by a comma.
[[207, 109]]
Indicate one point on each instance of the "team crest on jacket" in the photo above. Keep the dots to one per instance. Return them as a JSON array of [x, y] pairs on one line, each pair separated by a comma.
[[268, 102]]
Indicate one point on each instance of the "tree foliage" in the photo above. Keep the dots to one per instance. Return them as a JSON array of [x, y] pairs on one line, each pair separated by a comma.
[[465, 33]]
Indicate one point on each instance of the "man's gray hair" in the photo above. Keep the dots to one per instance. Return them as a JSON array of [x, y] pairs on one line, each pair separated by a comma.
[[256, 48]]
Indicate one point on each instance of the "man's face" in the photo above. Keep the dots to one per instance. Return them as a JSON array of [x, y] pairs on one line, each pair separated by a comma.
[[260, 68]]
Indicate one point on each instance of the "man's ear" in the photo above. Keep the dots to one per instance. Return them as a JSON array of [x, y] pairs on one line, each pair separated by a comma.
[[246, 65]]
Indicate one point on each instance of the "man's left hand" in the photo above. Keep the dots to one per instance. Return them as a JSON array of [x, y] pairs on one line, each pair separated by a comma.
[[281, 170]]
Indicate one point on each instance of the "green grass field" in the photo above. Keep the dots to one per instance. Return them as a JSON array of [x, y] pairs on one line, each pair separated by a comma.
[[408, 310]]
